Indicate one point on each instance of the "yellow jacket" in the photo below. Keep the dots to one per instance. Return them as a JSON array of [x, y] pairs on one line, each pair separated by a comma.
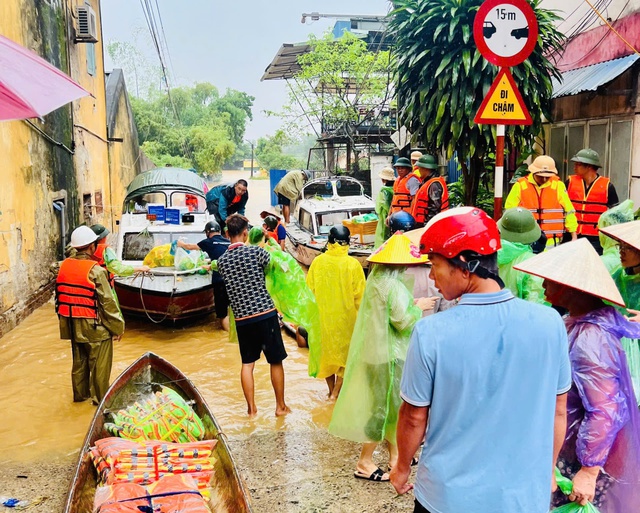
[[570, 221], [337, 281]]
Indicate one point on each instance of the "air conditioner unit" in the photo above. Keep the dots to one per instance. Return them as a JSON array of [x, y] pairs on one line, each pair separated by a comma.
[[87, 30]]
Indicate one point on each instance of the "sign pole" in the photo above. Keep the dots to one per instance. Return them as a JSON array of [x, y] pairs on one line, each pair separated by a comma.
[[499, 178]]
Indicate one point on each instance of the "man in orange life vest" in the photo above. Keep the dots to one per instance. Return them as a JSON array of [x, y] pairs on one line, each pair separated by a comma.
[[405, 187], [106, 257], [545, 196], [590, 193], [433, 196], [88, 316]]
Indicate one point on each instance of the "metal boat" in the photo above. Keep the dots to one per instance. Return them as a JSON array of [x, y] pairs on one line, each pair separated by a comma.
[[164, 293], [229, 493], [323, 203]]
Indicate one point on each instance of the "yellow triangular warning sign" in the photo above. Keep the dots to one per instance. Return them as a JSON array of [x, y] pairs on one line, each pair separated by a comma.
[[503, 104]]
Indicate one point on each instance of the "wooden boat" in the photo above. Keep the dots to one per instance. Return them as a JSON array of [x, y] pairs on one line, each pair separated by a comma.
[[325, 202], [229, 492], [165, 293]]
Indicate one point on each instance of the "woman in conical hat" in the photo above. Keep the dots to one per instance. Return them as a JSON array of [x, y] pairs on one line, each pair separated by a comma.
[[601, 450], [627, 278], [368, 404]]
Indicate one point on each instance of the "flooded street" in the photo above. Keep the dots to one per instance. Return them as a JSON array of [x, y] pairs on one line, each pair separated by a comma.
[[289, 463]]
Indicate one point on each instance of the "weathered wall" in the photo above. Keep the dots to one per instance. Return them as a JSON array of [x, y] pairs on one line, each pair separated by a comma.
[[34, 171], [65, 157]]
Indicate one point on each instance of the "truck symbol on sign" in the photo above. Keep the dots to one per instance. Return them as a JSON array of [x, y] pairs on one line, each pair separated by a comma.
[[488, 29]]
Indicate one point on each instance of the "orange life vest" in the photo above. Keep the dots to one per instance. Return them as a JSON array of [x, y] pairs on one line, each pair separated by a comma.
[[420, 209], [545, 206], [589, 206], [401, 195], [76, 296], [99, 257]]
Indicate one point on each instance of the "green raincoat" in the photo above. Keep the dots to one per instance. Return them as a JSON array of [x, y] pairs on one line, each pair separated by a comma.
[[383, 204], [622, 213], [337, 281], [523, 285], [369, 401], [629, 287]]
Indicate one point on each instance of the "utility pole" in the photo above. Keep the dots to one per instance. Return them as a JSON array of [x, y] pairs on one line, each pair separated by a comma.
[[252, 146]]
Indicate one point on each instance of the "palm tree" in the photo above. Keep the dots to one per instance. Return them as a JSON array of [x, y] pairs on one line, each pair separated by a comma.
[[442, 80]]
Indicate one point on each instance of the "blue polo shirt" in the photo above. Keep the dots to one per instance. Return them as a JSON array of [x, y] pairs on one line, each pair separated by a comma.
[[489, 370]]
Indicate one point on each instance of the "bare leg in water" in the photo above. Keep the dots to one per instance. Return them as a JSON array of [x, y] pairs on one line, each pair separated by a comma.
[[331, 383], [277, 381], [246, 378], [336, 389]]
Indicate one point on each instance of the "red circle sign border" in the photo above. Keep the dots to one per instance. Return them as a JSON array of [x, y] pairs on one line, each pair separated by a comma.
[[532, 23]]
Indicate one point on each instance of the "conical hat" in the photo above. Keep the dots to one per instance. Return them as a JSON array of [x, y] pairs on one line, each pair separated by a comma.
[[627, 233], [398, 250], [415, 236], [577, 265]]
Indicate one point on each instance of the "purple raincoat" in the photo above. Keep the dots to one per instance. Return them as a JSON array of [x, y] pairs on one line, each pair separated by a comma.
[[603, 424]]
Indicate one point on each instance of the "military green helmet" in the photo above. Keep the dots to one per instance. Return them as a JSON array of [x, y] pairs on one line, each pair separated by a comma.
[[402, 162], [518, 225], [587, 156], [427, 162]]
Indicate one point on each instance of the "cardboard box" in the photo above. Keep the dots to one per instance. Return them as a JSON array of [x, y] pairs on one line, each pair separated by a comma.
[[173, 215], [156, 209]]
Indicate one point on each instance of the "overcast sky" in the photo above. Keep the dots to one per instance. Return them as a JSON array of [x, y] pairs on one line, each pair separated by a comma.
[[231, 43]]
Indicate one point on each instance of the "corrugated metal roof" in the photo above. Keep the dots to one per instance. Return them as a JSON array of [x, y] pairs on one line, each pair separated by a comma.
[[591, 77], [285, 63]]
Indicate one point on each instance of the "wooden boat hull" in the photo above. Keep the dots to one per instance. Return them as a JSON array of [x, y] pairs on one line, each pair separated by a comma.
[[171, 297], [230, 493]]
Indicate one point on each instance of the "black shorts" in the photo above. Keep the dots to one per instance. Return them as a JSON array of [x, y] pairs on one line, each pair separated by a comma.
[[283, 200], [221, 300], [261, 337]]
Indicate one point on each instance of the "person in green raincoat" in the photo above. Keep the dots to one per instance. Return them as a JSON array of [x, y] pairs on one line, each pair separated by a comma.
[[518, 230], [367, 408], [627, 278], [622, 213], [383, 204], [337, 281]]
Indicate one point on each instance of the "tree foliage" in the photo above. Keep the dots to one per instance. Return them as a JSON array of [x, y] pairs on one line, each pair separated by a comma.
[[338, 79], [442, 80], [271, 154], [194, 127]]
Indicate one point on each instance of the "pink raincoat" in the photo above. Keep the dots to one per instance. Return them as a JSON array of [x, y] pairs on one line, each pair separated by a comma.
[[603, 424]]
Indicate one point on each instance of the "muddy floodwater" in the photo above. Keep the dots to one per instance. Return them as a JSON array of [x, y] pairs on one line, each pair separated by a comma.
[[289, 464]]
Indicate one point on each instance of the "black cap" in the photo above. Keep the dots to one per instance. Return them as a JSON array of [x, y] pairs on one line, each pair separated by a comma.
[[340, 234], [212, 227]]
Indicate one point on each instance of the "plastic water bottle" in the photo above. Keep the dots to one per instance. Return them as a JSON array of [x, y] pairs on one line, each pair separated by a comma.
[[10, 502]]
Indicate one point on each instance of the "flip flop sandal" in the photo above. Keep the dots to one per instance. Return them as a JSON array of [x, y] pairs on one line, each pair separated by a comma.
[[414, 462], [376, 475]]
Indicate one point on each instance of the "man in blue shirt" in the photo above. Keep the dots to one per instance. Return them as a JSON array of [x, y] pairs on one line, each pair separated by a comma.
[[225, 200], [484, 383], [214, 245]]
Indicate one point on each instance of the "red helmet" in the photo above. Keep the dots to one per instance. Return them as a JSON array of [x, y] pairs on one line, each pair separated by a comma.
[[460, 229]]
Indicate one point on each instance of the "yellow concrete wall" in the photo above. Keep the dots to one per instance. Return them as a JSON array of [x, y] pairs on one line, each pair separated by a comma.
[[91, 158]]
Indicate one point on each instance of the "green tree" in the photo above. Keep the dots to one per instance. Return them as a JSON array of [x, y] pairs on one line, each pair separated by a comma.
[[270, 152], [442, 79], [194, 127], [338, 80]]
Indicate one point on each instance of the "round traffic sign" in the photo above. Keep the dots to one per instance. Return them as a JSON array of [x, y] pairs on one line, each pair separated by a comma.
[[505, 31]]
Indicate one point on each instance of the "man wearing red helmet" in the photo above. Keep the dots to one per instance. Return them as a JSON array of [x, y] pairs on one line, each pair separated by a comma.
[[490, 376]]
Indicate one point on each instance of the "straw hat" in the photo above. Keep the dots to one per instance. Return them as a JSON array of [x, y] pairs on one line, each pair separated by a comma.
[[543, 166], [627, 233], [577, 265], [415, 155], [398, 250], [415, 236], [387, 174]]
